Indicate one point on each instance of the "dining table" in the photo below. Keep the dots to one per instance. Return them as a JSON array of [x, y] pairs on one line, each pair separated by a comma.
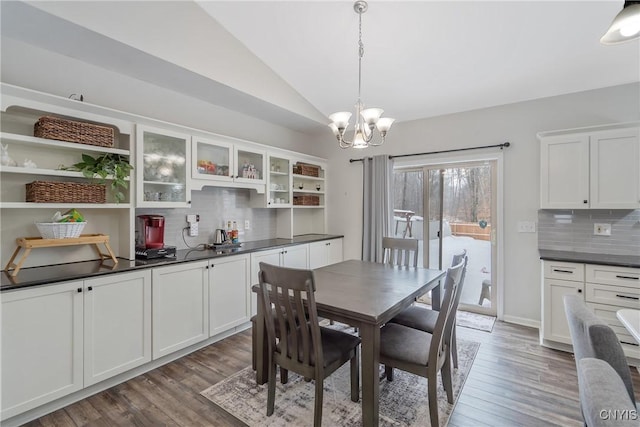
[[630, 319], [365, 295]]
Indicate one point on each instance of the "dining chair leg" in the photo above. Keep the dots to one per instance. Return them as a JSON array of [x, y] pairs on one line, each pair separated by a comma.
[[271, 389], [317, 412], [454, 347], [284, 375], [388, 372], [447, 382], [355, 376], [254, 344], [432, 386]]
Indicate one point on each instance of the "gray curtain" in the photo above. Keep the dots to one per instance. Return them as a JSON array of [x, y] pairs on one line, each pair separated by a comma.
[[377, 209]]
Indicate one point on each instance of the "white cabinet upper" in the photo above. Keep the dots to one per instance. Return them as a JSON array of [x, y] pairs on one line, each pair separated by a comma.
[[325, 252], [229, 293], [597, 168], [180, 306], [162, 166], [41, 346], [227, 163], [117, 324]]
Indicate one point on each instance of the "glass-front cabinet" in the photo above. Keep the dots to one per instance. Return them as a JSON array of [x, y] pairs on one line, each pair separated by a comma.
[[278, 182], [225, 162], [163, 162]]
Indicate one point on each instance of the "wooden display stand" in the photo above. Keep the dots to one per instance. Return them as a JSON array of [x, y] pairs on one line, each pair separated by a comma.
[[29, 243]]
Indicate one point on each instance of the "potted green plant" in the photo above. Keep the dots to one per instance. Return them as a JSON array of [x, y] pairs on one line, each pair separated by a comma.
[[113, 166]]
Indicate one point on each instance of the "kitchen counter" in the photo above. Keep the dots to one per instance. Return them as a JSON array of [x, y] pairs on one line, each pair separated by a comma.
[[588, 258], [34, 276]]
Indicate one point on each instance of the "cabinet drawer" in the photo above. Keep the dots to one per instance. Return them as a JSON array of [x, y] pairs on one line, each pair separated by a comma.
[[612, 295], [564, 270], [608, 314], [621, 276]]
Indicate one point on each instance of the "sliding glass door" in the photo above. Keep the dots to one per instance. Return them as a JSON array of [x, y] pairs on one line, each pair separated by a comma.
[[458, 211]]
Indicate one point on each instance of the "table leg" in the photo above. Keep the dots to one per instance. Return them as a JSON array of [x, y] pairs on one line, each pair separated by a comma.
[[436, 298], [370, 335]]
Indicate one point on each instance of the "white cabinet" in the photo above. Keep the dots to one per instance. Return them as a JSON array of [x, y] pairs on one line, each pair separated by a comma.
[[559, 279], [117, 324], [229, 293], [606, 289], [609, 289], [615, 169], [278, 182], [162, 164], [325, 252], [180, 306], [597, 168], [41, 345], [296, 256], [225, 162]]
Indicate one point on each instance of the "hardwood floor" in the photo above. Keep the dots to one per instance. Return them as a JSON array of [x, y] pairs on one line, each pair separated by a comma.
[[513, 382]]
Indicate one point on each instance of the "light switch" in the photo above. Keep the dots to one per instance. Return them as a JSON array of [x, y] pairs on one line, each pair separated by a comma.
[[526, 227]]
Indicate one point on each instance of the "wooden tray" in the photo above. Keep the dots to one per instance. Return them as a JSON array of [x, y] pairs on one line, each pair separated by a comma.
[[30, 243]]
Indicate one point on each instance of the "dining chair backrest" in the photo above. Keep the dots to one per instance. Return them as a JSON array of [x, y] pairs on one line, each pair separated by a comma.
[[400, 252], [458, 271], [457, 258], [438, 350], [593, 338], [288, 298]]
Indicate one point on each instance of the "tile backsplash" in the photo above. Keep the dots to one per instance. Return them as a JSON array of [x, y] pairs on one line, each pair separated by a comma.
[[215, 205], [572, 230]]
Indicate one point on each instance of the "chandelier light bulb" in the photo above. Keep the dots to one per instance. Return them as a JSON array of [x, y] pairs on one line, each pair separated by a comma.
[[625, 26], [365, 120]]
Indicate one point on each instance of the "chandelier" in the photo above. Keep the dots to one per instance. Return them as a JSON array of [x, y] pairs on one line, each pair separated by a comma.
[[625, 26], [366, 120]]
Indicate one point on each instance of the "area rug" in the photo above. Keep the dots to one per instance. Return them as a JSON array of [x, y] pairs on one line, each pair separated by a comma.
[[403, 402], [467, 319]]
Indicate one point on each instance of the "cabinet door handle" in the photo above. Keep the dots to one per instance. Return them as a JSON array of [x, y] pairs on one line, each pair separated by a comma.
[[627, 297], [585, 201], [207, 267], [579, 291], [79, 290], [213, 265], [90, 288], [562, 271], [627, 277]]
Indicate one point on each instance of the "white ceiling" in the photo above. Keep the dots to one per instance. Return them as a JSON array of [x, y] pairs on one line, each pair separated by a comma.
[[428, 58], [422, 58]]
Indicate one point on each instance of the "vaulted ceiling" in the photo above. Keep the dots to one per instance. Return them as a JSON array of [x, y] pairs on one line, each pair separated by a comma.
[[295, 62]]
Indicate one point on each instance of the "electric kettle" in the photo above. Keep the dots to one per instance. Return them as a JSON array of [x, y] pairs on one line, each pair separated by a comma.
[[219, 237]]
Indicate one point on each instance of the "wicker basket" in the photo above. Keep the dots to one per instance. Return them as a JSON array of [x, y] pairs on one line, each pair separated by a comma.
[[65, 192], [72, 131], [60, 230], [306, 200], [304, 169]]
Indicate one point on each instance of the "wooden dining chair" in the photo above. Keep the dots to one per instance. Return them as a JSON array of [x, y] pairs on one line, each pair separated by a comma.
[[422, 353], [425, 319], [402, 252], [306, 348]]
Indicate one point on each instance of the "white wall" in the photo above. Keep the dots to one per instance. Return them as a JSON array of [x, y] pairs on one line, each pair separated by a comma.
[[32, 67], [516, 123]]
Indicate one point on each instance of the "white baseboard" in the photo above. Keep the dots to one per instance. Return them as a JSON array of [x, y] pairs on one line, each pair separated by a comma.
[[521, 321]]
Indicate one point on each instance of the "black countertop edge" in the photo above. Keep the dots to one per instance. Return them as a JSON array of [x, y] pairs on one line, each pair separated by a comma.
[[589, 258], [49, 274]]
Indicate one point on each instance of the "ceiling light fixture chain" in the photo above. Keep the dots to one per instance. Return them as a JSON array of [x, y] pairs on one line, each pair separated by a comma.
[[366, 120]]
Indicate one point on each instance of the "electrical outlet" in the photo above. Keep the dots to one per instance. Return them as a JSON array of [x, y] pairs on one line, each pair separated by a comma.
[[193, 229], [247, 224], [193, 220], [600, 229]]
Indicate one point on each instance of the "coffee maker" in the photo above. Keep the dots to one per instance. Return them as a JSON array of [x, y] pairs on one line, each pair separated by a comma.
[[150, 238]]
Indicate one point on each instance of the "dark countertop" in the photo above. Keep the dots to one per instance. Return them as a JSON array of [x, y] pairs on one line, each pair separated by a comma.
[[34, 276], [587, 258]]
